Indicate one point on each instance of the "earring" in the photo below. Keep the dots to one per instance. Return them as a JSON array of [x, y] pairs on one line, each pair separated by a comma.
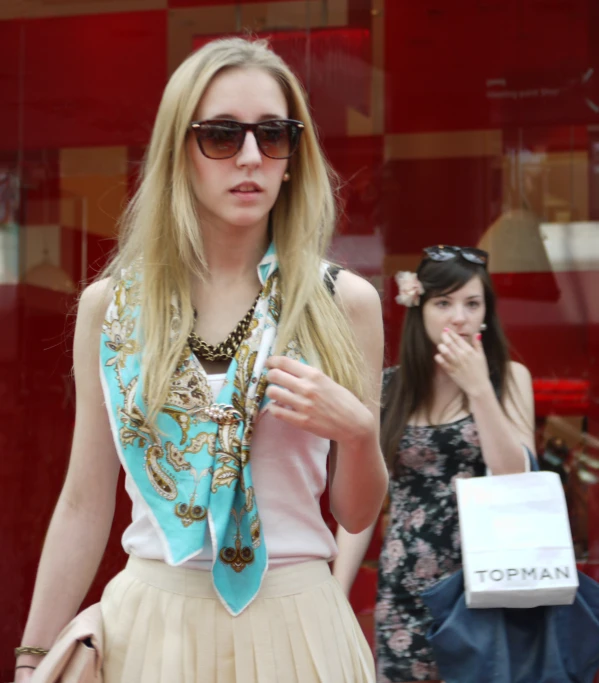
[[483, 327], [286, 177]]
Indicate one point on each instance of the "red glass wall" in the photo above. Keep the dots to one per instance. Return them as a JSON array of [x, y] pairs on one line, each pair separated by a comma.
[[471, 123]]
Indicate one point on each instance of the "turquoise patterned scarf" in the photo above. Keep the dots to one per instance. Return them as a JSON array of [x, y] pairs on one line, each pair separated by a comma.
[[193, 467]]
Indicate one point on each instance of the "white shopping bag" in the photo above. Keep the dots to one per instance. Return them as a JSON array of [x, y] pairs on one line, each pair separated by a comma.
[[516, 542]]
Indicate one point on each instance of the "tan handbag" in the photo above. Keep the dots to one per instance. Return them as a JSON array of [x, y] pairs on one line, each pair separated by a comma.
[[76, 656]]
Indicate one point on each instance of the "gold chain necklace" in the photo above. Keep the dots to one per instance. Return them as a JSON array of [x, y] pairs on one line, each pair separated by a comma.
[[227, 349]]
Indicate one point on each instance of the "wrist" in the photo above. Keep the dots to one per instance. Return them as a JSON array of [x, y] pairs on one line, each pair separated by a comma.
[[29, 660], [27, 664], [30, 657], [362, 435], [481, 391]]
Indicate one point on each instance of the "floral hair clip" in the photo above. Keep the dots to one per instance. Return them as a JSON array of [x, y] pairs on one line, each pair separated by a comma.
[[410, 289]]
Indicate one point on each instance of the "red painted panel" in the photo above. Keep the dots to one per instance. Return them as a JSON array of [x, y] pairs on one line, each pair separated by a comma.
[[594, 171], [593, 511], [41, 187], [212, 3], [432, 201], [99, 84], [546, 138], [135, 155], [37, 424], [358, 10], [98, 249], [359, 162], [10, 43], [484, 64], [9, 339], [334, 65], [561, 396]]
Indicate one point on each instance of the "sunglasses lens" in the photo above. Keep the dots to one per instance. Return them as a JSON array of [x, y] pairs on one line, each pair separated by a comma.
[[475, 256], [278, 139], [220, 139], [446, 253], [440, 253]]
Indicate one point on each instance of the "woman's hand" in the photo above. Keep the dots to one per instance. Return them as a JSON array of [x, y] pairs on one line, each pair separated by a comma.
[[307, 398], [465, 362]]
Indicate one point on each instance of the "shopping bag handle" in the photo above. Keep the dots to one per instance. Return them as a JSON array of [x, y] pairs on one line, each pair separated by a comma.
[[534, 463]]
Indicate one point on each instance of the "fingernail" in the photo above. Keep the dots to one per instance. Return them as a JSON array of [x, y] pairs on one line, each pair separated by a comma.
[[479, 336]]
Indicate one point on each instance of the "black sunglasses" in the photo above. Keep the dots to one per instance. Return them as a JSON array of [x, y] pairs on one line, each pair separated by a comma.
[[222, 139], [442, 252]]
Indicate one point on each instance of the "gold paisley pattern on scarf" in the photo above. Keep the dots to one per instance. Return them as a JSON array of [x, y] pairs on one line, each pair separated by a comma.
[[227, 450], [240, 556], [255, 527], [188, 394], [189, 402], [190, 513], [192, 465]]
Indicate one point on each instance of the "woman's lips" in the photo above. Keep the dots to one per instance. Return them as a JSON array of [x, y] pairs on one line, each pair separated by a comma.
[[247, 192]]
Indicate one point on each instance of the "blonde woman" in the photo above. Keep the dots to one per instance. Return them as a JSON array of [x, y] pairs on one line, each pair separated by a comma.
[[220, 362]]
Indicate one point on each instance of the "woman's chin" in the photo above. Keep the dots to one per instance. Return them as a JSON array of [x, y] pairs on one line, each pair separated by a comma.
[[248, 219]]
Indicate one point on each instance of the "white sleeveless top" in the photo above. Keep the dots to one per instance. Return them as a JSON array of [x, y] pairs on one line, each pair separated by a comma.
[[289, 476]]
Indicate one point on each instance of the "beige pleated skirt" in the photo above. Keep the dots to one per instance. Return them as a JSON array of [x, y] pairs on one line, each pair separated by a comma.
[[166, 625]]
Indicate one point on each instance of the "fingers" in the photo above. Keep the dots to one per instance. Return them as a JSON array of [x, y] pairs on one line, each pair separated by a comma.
[[453, 351], [443, 363], [294, 392], [292, 417], [297, 378], [448, 354], [290, 365], [451, 347], [458, 346], [288, 399], [454, 340], [286, 380]]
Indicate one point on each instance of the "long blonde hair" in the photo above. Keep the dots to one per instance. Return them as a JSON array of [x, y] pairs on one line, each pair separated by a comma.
[[161, 230]]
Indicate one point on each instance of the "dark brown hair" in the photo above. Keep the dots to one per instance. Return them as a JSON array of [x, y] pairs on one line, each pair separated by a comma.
[[411, 386]]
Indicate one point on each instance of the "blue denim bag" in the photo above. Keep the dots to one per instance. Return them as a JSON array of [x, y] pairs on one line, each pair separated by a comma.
[[557, 644]]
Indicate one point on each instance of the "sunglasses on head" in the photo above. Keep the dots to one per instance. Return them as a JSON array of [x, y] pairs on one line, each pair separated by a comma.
[[442, 252], [222, 139]]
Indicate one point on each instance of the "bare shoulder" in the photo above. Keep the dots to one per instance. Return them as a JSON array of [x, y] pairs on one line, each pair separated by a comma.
[[93, 454], [357, 296], [520, 402], [93, 303], [520, 375], [96, 295], [361, 303]]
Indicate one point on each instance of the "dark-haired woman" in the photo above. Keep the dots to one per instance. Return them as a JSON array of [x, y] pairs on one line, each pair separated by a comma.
[[455, 407]]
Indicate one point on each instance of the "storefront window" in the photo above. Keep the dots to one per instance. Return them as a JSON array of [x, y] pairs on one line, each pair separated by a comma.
[[473, 123]]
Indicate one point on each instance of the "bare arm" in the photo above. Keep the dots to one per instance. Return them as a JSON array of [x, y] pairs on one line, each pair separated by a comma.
[[81, 522], [357, 469], [352, 548], [502, 434], [305, 397]]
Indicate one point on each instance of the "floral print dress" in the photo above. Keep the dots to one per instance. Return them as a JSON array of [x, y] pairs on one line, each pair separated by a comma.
[[422, 542]]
